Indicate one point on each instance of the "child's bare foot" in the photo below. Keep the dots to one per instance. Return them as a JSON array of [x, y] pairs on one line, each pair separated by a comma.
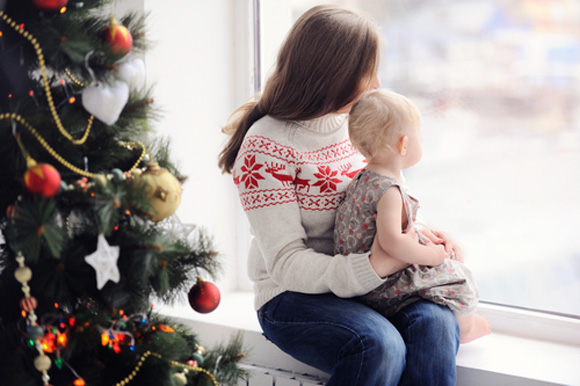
[[472, 327]]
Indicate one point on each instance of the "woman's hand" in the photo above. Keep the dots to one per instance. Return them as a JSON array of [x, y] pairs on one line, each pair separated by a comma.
[[441, 238]]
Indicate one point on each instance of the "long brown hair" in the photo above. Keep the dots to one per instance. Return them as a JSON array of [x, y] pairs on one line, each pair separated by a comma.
[[329, 56]]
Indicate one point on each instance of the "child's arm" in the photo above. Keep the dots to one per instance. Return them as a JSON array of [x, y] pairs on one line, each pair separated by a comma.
[[398, 244], [436, 237]]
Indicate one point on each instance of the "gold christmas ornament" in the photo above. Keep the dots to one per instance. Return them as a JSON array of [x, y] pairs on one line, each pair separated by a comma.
[[164, 190]]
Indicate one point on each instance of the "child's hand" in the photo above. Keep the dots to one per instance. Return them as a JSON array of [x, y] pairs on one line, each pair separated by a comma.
[[441, 238], [431, 235], [439, 254]]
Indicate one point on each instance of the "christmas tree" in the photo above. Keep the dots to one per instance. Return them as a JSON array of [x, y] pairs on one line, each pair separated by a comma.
[[87, 200]]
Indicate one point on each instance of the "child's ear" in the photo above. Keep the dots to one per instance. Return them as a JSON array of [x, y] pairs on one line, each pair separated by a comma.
[[402, 145]]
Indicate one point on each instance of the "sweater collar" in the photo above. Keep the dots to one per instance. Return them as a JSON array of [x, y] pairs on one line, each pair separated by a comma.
[[325, 124]]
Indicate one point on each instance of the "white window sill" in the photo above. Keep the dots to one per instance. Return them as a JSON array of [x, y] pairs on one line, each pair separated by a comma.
[[524, 348]]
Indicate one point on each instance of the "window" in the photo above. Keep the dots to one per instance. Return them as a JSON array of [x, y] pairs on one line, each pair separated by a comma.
[[498, 84]]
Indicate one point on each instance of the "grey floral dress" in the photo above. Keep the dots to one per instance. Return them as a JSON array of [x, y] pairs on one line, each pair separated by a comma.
[[449, 284]]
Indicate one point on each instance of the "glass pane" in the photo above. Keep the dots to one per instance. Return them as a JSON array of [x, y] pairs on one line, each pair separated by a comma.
[[498, 83]]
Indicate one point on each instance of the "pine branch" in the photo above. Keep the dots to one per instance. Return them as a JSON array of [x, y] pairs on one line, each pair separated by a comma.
[[36, 229], [223, 361]]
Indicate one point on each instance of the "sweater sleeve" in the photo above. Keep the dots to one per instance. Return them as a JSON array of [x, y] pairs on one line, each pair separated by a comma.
[[265, 181], [295, 267]]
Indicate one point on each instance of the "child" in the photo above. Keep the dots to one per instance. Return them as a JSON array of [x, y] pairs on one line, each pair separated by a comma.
[[384, 126]]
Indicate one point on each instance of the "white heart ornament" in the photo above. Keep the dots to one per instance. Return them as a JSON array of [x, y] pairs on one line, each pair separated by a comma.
[[106, 102], [132, 72]]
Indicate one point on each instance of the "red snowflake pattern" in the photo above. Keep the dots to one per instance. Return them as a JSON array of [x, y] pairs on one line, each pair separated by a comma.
[[250, 171], [327, 180]]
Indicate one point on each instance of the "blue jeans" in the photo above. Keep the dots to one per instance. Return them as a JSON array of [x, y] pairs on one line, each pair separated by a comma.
[[358, 346]]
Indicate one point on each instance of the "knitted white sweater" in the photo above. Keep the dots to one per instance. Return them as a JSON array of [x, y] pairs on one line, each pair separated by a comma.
[[291, 178]]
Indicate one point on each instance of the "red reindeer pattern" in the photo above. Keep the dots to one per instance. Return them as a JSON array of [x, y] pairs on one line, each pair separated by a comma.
[[301, 183], [344, 170], [279, 172], [274, 170]]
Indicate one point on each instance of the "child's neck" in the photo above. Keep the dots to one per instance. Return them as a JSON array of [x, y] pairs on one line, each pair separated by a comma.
[[383, 169]]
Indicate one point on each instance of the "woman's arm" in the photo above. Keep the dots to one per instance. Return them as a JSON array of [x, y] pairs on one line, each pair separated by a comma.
[[383, 264], [398, 244]]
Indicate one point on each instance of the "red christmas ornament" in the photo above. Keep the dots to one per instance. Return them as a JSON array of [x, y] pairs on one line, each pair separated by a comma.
[[204, 297], [118, 37], [50, 5], [28, 303], [42, 179]]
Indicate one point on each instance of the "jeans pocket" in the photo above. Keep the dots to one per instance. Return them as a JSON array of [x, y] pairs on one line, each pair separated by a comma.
[[267, 312]]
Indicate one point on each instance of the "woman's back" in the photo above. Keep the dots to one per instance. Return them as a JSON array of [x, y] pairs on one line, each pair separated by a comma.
[[291, 177]]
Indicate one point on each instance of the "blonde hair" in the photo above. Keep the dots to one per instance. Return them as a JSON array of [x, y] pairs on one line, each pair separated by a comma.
[[328, 58], [378, 118]]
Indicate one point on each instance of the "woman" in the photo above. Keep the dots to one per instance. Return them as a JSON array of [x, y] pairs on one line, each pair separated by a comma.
[[291, 160]]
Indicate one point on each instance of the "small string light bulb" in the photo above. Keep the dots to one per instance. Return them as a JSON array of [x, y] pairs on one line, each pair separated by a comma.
[[104, 339], [61, 339]]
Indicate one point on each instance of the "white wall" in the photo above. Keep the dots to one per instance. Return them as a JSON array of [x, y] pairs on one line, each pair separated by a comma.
[[199, 66]]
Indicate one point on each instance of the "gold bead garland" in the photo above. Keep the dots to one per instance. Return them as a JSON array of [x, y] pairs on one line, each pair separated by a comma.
[[45, 82], [147, 354], [18, 118], [196, 369], [61, 128], [74, 79]]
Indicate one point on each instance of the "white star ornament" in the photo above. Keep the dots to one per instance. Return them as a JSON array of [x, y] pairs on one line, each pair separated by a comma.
[[104, 261]]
